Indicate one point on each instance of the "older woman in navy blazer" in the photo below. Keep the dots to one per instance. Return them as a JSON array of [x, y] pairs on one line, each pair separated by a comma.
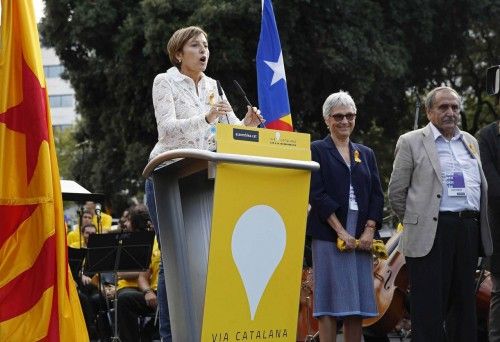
[[346, 202]]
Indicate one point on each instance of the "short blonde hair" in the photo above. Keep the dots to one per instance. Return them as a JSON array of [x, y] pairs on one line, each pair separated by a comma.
[[179, 39]]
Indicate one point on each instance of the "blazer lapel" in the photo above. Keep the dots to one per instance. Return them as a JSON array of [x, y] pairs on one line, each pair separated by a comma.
[[334, 151], [470, 147], [430, 148]]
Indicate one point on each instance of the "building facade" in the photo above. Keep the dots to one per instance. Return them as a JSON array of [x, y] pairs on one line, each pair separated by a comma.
[[61, 94]]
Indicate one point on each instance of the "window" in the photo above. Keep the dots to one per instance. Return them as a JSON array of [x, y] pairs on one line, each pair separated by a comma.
[[53, 71], [57, 101]]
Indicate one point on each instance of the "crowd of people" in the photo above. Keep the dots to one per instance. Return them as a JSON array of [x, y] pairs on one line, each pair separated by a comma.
[[438, 189]]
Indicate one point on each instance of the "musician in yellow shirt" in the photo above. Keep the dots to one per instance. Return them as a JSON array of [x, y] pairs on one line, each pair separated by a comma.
[[137, 290], [106, 220], [87, 230], [90, 216], [74, 235]]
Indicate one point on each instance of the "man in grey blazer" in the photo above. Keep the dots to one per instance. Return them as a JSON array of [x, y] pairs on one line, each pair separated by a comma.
[[439, 192]]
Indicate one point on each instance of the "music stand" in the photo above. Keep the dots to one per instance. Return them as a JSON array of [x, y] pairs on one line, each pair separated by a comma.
[[75, 260], [119, 252]]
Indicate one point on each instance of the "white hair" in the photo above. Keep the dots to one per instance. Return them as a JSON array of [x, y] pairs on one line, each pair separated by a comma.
[[340, 99]]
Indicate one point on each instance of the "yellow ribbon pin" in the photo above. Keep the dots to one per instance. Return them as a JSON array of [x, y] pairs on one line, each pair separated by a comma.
[[356, 156], [472, 148], [211, 98]]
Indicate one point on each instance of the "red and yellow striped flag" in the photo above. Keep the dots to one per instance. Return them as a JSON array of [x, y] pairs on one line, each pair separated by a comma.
[[38, 298]]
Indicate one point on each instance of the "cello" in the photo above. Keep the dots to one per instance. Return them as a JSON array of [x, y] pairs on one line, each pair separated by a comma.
[[391, 284]]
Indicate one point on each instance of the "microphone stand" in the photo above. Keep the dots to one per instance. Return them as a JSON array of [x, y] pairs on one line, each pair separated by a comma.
[[99, 275], [80, 218], [417, 109], [98, 215]]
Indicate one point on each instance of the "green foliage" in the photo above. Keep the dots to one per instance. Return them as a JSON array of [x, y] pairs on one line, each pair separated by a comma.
[[65, 143], [376, 50]]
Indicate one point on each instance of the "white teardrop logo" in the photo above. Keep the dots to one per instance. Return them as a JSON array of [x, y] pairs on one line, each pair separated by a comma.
[[258, 245]]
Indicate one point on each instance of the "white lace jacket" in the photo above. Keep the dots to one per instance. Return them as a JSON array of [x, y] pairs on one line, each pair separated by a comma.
[[180, 112]]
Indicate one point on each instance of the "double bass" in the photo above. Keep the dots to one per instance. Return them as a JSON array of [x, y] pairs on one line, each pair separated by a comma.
[[391, 285]]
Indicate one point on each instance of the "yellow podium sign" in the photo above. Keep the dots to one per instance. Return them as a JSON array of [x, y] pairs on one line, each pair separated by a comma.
[[257, 239]]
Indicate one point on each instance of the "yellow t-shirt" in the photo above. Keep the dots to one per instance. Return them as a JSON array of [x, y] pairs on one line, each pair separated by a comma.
[[74, 235], [77, 244], [106, 221], [154, 268]]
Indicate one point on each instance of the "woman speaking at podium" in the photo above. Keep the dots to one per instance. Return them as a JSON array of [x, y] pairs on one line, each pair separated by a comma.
[[187, 106], [346, 203]]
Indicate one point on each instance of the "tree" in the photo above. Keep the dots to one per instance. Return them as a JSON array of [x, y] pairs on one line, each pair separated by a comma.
[[377, 50], [65, 148]]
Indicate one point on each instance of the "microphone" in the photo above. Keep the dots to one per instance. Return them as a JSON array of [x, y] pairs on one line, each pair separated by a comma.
[[219, 89], [221, 95], [242, 92], [98, 210]]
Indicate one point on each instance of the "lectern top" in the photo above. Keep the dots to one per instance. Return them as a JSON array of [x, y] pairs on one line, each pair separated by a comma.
[[228, 158]]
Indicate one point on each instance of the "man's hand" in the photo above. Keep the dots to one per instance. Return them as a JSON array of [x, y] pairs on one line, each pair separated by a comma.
[[86, 280], [150, 298]]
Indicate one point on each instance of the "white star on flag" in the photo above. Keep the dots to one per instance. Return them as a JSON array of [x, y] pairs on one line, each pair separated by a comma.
[[278, 68]]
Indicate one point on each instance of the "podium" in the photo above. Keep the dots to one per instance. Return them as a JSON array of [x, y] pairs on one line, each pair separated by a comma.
[[205, 213]]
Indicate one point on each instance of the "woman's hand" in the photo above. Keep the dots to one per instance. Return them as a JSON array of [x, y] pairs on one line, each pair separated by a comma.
[[366, 239], [217, 110], [350, 241], [253, 117]]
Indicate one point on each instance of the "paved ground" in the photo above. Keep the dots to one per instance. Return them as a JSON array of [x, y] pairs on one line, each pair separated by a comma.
[[391, 339]]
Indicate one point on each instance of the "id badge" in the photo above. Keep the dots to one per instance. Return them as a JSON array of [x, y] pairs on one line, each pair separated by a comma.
[[353, 205], [456, 184]]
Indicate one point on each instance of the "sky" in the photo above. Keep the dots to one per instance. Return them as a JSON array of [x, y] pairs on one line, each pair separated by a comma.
[[39, 6]]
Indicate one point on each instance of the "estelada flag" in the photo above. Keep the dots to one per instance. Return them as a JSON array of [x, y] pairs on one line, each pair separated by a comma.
[[271, 78], [38, 298]]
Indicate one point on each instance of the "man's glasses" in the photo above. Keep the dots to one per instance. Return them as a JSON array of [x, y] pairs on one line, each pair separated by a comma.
[[338, 117]]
